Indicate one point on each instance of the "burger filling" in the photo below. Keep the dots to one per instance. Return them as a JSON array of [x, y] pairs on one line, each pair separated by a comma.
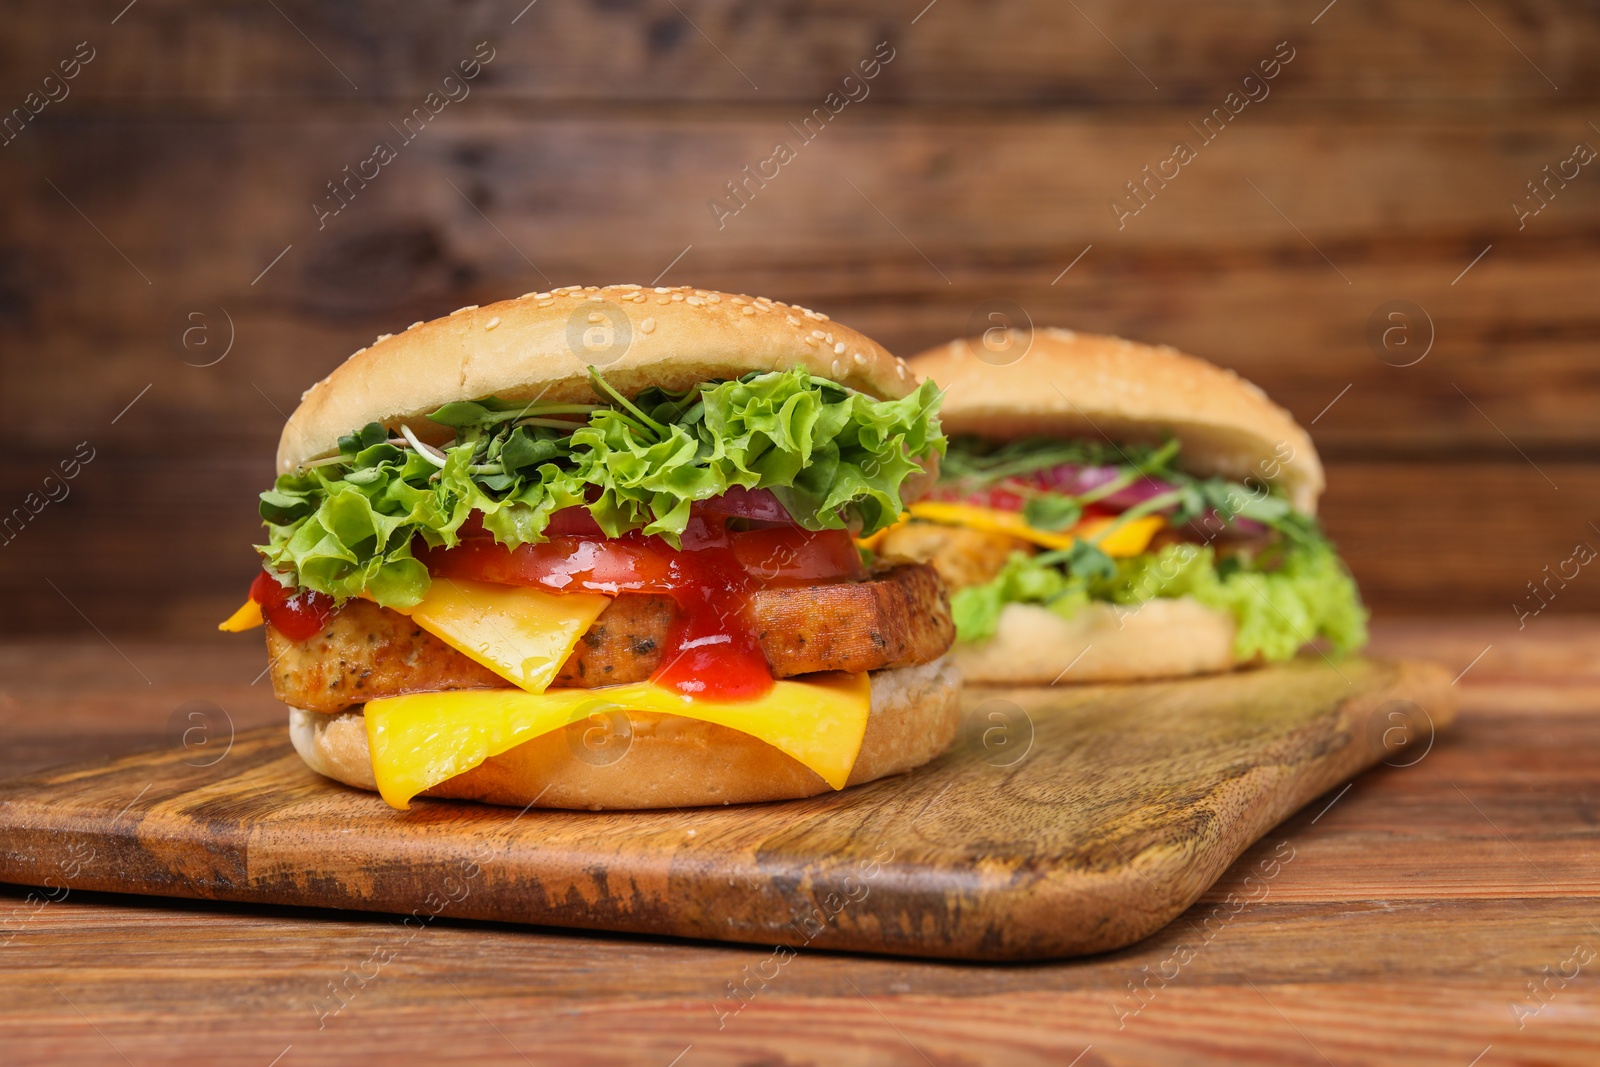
[[1068, 523], [696, 550]]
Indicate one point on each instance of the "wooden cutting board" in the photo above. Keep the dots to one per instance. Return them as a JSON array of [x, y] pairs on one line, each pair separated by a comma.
[[1063, 821]]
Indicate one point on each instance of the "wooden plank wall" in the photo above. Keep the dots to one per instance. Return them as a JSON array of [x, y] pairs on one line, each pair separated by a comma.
[[175, 175]]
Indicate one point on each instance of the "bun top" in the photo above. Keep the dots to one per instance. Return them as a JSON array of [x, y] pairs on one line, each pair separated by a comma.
[[1068, 384], [542, 344]]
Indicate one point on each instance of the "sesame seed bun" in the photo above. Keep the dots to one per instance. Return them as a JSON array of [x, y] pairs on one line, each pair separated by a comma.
[[668, 760], [1068, 384], [541, 344]]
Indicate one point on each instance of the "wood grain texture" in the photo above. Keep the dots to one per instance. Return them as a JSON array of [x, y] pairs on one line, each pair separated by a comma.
[[1386, 159], [1335, 963], [1070, 821], [237, 54]]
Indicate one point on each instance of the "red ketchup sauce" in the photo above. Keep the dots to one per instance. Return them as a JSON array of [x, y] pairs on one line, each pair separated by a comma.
[[296, 614], [712, 649]]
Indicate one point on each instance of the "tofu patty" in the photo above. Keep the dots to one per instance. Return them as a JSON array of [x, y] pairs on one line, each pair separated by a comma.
[[899, 618]]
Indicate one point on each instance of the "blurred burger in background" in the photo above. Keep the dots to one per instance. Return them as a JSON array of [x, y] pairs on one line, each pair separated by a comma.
[[627, 512], [1109, 511]]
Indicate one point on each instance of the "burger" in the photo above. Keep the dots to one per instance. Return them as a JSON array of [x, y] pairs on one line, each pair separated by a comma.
[[596, 548], [1110, 511]]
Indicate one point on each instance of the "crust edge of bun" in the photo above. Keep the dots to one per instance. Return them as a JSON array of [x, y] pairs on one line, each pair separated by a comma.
[[1082, 384], [538, 345], [671, 761], [1160, 638]]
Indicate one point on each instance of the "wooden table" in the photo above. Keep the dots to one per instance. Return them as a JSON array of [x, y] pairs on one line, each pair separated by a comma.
[[1425, 914]]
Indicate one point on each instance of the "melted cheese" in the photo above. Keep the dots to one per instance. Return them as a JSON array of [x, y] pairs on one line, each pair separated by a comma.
[[1129, 539], [421, 740], [872, 541], [248, 617], [524, 635]]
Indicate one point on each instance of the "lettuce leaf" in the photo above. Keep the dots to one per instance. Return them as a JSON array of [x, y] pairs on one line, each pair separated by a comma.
[[834, 458], [1294, 593]]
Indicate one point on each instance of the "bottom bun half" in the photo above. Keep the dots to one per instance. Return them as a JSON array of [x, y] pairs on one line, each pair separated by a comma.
[[1160, 638], [663, 760]]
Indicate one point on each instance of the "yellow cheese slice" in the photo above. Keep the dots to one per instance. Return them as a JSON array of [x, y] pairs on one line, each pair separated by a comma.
[[421, 740], [524, 635], [872, 541], [1130, 539], [248, 617]]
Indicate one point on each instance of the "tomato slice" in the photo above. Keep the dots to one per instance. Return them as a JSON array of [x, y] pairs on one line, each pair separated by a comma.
[[570, 564], [789, 555], [780, 555], [711, 649]]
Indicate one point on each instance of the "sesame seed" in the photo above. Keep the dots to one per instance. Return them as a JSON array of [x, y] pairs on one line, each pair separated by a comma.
[[836, 368], [748, 310], [861, 360], [713, 298], [414, 325], [383, 337], [901, 370], [821, 316], [595, 316], [546, 303], [591, 288], [695, 301], [469, 307], [812, 341], [492, 323], [662, 289], [739, 300], [647, 326], [677, 296], [597, 298], [818, 334], [791, 320], [630, 287], [663, 299], [541, 296], [838, 348]]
